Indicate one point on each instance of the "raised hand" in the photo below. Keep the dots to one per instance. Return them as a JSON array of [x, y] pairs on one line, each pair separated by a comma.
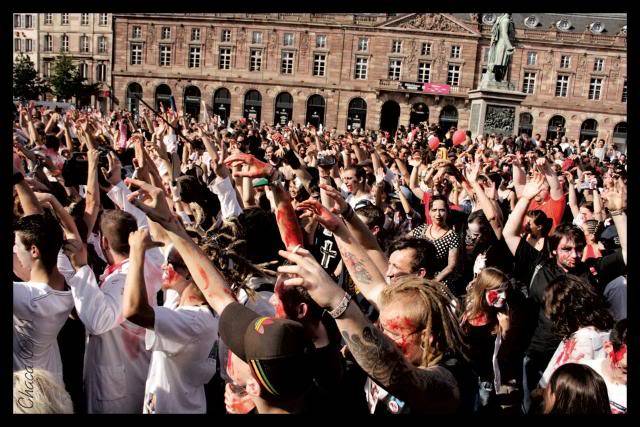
[[314, 209], [534, 186], [151, 200], [256, 168], [140, 240], [341, 204], [312, 277], [76, 251], [114, 174]]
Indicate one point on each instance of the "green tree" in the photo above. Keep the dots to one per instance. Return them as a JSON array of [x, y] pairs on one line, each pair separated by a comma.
[[67, 81], [27, 85]]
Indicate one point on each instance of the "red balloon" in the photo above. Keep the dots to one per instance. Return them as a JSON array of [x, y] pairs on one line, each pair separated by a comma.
[[434, 143], [459, 137]]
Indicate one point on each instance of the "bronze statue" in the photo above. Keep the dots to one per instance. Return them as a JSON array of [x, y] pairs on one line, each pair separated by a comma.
[[501, 50]]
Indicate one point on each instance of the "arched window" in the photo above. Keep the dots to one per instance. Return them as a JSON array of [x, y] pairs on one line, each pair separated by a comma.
[[192, 101], [620, 136], [101, 72], [588, 130], [357, 114], [315, 110], [526, 124], [252, 105], [284, 109], [163, 94], [134, 90], [389, 116], [556, 128], [448, 118], [222, 104], [419, 114]]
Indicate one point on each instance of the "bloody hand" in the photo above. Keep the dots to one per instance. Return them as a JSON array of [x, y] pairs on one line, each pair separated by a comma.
[[257, 169], [315, 209]]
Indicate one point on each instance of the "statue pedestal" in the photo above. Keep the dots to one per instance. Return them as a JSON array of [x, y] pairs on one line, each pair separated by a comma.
[[495, 108]]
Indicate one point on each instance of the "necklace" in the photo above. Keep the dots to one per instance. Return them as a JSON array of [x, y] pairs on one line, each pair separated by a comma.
[[431, 235]]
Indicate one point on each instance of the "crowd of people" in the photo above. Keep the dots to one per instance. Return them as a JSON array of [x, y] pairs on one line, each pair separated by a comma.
[[165, 263]]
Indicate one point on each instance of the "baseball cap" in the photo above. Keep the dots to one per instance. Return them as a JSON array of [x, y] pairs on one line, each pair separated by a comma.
[[277, 350]]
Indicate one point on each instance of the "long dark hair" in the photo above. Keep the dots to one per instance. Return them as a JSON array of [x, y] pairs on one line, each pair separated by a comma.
[[572, 304], [578, 390]]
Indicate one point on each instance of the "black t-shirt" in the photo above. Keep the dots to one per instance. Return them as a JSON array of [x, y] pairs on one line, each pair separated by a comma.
[[325, 250]]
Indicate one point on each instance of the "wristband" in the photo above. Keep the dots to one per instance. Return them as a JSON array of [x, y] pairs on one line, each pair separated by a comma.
[[616, 213], [342, 306]]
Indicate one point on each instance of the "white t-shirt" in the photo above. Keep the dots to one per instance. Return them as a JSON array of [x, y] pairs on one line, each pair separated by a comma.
[[183, 342], [39, 312], [171, 142], [617, 392], [585, 344]]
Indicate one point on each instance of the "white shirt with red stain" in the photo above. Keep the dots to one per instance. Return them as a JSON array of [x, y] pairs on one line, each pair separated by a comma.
[[116, 360], [585, 344]]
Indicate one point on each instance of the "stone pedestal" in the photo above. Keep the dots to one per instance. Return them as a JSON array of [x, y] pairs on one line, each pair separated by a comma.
[[495, 108]]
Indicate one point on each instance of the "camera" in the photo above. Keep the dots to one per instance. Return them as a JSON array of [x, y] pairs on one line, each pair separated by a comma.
[[326, 160]]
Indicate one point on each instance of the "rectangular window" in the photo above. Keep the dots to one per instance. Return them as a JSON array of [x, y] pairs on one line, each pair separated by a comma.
[[166, 33], [64, 43], [46, 68], [28, 21], [453, 76], [194, 56], [224, 62], [48, 18], [532, 57], [565, 61], [28, 45], [136, 32], [102, 19], [48, 43], [84, 44], [362, 64], [396, 46], [319, 64], [136, 54], [64, 19], [255, 60], [395, 68], [455, 52], [101, 72], [195, 34], [426, 49], [286, 66], [424, 72], [256, 37], [165, 55], [225, 36], [84, 70], [595, 89], [84, 19], [321, 41], [102, 44], [562, 86], [624, 91], [17, 45], [598, 64], [17, 20], [529, 82], [288, 39], [363, 44]]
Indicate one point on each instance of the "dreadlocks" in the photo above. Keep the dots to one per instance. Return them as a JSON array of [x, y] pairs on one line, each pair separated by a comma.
[[436, 311]]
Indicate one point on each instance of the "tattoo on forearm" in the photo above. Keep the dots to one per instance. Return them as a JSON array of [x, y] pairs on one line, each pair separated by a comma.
[[426, 390], [358, 267]]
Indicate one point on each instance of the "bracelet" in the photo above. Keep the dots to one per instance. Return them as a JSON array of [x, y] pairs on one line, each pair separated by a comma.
[[342, 306], [616, 213]]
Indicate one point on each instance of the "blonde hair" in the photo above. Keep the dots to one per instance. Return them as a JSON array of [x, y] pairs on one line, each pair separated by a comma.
[[36, 391], [435, 310], [475, 306]]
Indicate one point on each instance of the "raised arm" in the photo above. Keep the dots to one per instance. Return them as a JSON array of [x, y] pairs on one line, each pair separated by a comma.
[[206, 276], [511, 230], [555, 189], [413, 184], [573, 199], [519, 176], [484, 202], [430, 389], [616, 205], [28, 199]]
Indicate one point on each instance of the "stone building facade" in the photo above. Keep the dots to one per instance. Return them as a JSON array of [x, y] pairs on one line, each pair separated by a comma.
[[87, 39], [25, 36], [374, 70]]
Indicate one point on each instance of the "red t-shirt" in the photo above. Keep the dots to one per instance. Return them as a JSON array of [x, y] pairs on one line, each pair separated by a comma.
[[426, 198], [554, 209]]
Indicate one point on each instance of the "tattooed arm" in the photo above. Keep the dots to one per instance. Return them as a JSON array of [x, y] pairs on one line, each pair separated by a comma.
[[425, 390]]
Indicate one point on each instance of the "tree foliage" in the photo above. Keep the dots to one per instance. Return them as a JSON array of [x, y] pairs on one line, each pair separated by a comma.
[[27, 85], [67, 81]]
